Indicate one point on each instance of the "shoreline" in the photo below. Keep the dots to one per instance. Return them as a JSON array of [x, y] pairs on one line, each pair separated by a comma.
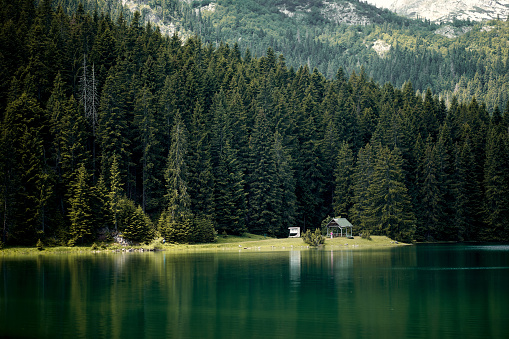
[[244, 243]]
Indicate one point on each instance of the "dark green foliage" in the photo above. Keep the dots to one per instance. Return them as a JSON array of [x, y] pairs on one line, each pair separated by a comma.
[[209, 138], [366, 235], [313, 238], [343, 193], [115, 193], [80, 213], [134, 224], [25, 177], [204, 230], [176, 231], [496, 181]]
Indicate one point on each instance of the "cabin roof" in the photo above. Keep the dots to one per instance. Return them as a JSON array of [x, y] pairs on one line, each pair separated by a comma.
[[339, 222]]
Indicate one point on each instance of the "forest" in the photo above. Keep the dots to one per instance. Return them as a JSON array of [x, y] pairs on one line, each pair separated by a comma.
[[470, 60], [109, 126]]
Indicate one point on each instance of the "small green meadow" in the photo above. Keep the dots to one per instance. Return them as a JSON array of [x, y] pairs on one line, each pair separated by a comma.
[[247, 242]]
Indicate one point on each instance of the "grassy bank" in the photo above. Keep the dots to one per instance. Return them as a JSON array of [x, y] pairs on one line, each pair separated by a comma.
[[248, 242], [286, 244]]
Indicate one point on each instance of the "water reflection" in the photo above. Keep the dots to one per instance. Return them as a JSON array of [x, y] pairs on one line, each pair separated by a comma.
[[416, 292], [340, 263], [295, 268]]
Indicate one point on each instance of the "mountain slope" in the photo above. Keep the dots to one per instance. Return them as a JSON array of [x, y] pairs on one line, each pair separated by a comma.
[[463, 59], [448, 10]]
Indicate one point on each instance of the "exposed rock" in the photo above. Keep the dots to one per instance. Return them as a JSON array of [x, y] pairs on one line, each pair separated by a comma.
[[448, 10], [487, 28], [211, 7], [121, 240], [381, 48], [336, 12], [166, 27], [343, 13], [452, 32]]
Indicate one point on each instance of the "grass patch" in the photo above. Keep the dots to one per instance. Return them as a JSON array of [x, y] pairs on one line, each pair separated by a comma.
[[255, 242], [250, 242]]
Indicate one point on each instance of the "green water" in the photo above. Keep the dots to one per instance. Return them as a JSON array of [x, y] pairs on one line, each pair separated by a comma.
[[432, 291]]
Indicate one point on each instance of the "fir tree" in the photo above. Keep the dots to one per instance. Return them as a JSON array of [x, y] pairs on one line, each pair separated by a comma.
[[362, 179], [80, 211], [390, 210], [430, 197], [496, 183], [263, 195], [175, 223], [135, 224], [343, 191], [147, 146], [115, 193], [285, 201]]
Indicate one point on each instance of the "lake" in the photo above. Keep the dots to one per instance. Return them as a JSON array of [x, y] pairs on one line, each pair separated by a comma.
[[422, 291]]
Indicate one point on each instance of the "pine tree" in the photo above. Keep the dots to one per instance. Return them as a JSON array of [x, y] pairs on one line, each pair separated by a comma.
[[466, 190], [343, 191], [71, 139], [285, 201], [26, 185], [263, 193], [147, 147], [362, 179], [80, 211], [229, 196], [114, 118], [430, 197], [175, 223], [390, 210], [100, 205], [201, 179], [135, 225], [309, 168], [205, 232], [445, 163], [115, 193], [496, 183]]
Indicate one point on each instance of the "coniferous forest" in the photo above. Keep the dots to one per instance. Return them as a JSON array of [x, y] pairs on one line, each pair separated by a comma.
[[109, 125]]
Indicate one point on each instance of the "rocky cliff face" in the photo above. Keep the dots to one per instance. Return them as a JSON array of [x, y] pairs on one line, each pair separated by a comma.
[[339, 12], [448, 10]]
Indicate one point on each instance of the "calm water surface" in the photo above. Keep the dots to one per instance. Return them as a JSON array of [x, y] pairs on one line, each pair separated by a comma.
[[430, 291]]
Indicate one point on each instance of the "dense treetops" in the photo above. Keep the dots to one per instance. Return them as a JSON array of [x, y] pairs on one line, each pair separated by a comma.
[[470, 62], [108, 125]]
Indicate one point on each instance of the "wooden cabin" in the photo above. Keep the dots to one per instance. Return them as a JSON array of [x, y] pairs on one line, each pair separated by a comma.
[[339, 227]]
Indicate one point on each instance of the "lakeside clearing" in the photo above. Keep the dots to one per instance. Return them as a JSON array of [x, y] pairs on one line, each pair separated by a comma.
[[254, 242], [248, 242]]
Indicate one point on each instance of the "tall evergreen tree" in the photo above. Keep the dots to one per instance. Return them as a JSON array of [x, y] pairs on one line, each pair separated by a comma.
[[80, 211], [362, 179], [285, 201], [390, 208], [147, 147], [25, 179], [116, 192], [496, 183], [263, 193], [431, 200], [175, 223], [229, 194], [343, 175]]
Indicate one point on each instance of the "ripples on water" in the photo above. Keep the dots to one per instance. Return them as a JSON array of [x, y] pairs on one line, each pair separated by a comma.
[[431, 291]]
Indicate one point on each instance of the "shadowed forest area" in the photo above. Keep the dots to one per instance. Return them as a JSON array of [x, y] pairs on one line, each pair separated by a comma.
[[107, 125]]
